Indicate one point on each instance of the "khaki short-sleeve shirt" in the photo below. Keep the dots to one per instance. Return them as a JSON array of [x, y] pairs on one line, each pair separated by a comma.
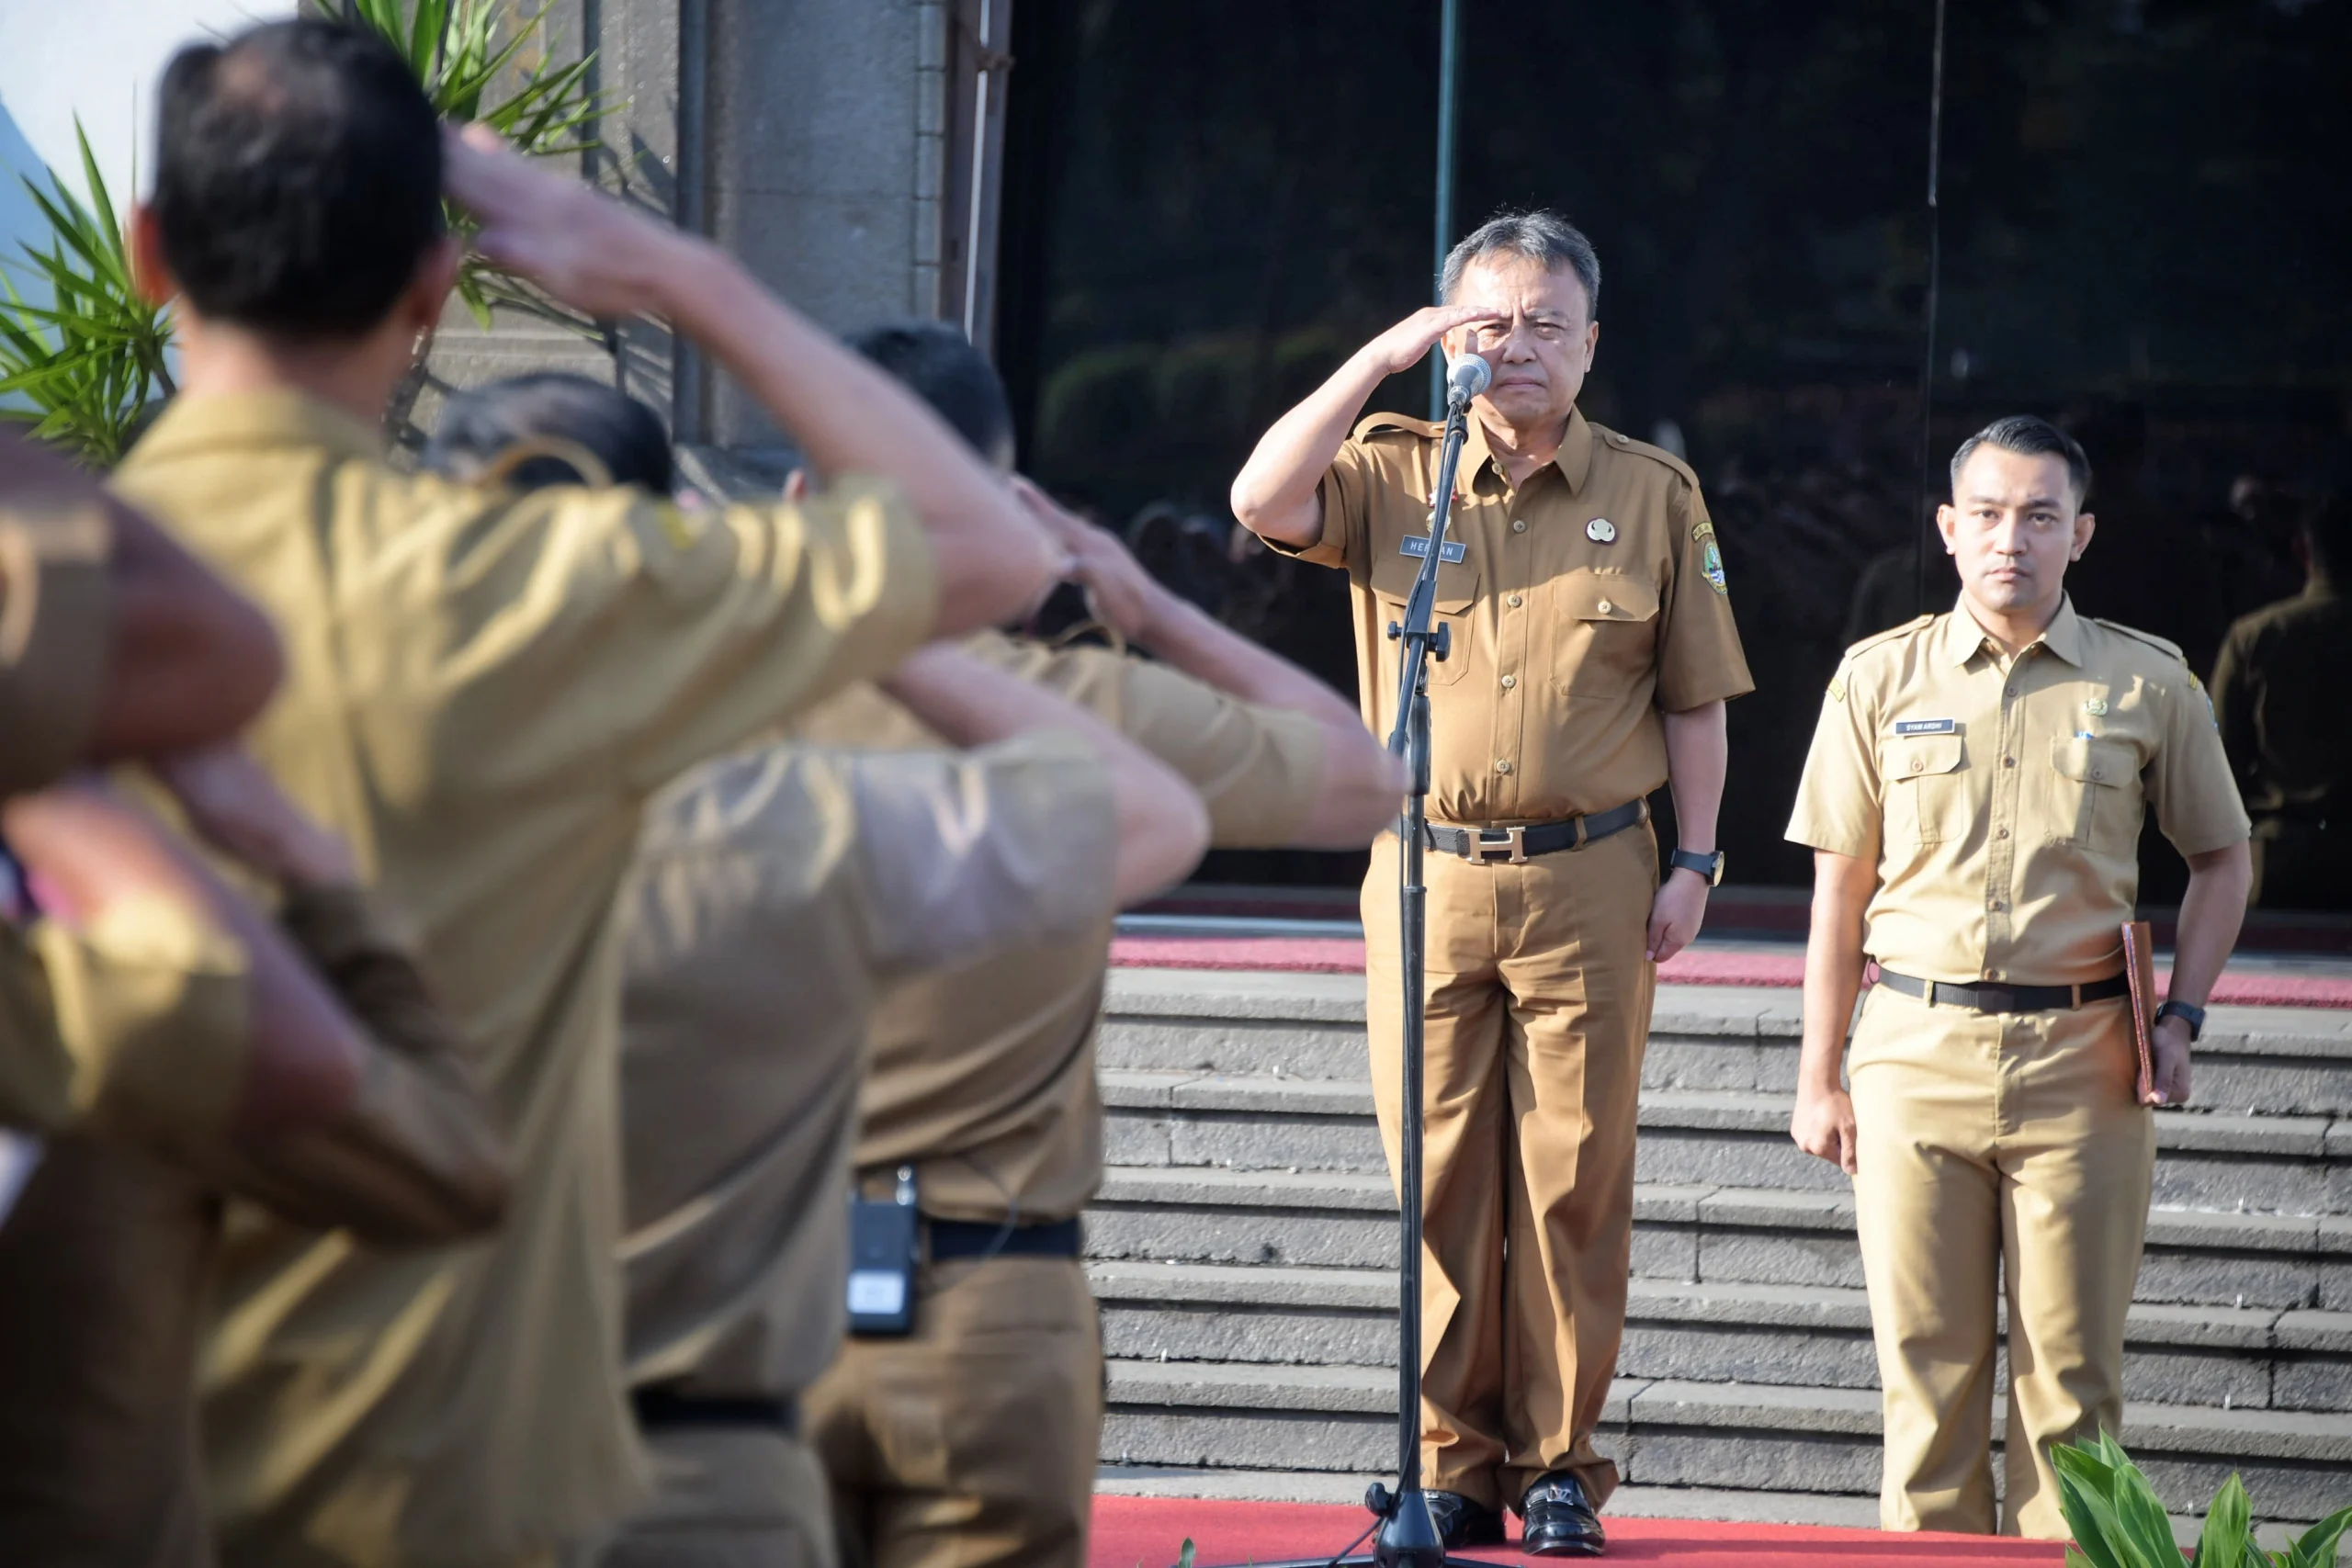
[[483, 689], [776, 893], [2001, 798], [54, 618], [982, 1075], [1585, 603], [134, 1025]]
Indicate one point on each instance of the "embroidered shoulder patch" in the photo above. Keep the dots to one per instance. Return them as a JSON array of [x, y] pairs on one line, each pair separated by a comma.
[[1710, 563]]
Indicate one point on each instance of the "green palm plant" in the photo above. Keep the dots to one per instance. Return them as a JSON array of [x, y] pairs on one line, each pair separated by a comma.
[[80, 368], [2118, 1522], [80, 365], [488, 61]]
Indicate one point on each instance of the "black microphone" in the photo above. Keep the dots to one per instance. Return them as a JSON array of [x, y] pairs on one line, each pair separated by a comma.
[[1466, 376]]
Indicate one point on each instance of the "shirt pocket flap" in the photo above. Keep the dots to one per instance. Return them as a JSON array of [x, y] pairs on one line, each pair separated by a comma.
[[2089, 761], [1923, 756], [1607, 596], [1457, 582]]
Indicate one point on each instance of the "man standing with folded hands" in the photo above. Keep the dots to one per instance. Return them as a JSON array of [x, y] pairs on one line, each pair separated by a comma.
[[1973, 799]]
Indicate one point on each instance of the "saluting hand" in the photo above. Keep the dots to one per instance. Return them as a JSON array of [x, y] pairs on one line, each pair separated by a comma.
[[1123, 595], [2169, 1061], [1408, 343], [580, 245], [238, 809]]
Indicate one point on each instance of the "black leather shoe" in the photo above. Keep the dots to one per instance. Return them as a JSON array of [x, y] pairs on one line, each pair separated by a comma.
[[1560, 1520], [1461, 1522]]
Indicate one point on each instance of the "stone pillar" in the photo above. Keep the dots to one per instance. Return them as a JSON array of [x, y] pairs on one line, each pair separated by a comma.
[[813, 139]]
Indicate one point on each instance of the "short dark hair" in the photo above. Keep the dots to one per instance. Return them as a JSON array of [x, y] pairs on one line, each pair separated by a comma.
[[2032, 437], [616, 429], [1538, 235], [940, 366], [297, 177]]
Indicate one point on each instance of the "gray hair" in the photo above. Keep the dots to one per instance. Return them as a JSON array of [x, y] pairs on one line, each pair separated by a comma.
[[1538, 236], [2028, 437]]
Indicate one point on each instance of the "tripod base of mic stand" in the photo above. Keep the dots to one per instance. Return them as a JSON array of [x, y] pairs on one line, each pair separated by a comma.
[[1407, 1538]]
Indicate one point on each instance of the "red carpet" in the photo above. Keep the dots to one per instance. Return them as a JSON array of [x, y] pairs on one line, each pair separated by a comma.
[[1148, 1532], [1694, 966]]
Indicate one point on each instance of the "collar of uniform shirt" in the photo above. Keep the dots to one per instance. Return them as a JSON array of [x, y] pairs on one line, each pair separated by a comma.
[[1964, 638], [1574, 459], [276, 418]]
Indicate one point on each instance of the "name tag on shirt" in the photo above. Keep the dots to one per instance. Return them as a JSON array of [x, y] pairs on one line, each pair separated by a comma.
[[1927, 727], [1417, 547]]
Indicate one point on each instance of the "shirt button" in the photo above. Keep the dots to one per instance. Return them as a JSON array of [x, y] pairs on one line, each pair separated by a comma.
[[1509, 682], [2097, 775], [2002, 834], [1513, 600], [1606, 606], [1519, 524], [1993, 904], [2008, 761], [2010, 694], [1503, 766]]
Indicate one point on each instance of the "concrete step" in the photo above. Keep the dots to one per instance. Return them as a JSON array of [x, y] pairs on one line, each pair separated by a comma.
[[1791, 1335], [1691, 1234], [2297, 1165], [2262, 1061], [1736, 1437]]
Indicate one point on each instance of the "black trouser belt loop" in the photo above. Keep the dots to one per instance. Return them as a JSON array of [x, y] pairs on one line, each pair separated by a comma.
[[661, 1408], [1516, 844], [955, 1240], [1986, 997]]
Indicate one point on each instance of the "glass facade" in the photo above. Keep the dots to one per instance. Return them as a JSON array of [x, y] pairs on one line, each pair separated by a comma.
[[2146, 233]]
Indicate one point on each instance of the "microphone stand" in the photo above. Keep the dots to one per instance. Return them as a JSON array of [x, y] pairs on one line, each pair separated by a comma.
[[1404, 1534]]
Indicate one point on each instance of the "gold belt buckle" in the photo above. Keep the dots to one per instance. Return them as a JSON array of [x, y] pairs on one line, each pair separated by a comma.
[[1488, 843]]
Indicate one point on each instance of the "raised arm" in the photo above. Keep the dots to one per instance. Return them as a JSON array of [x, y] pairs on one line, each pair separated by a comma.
[[1362, 783], [186, 660], [599, 256], [282, 1095], [1275, 493], [1823, 1124], [1163, 827]]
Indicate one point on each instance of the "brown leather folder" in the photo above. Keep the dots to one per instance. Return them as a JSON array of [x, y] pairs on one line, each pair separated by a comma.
[[2140, 967]]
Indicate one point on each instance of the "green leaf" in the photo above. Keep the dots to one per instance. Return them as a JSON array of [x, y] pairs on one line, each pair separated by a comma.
[[2317, 1546], [2229, 1527], [1184, 1558], [2143, 1514], [2085, 1483]]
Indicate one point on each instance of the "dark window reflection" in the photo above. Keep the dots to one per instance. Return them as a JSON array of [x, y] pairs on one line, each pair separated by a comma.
[[2146, 235]]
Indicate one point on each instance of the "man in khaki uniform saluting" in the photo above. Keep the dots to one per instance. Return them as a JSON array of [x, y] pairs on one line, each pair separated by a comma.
[[484, 689], [775, 896], [972, 1440], [774, 892], [1974, 800], [1593, 649], [163, 1038], [113, 644]]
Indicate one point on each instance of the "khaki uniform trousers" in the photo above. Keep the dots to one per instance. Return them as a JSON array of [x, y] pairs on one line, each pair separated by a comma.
[[727, 1497], [1989, 1147], [1539, 1009], [972, 1442]]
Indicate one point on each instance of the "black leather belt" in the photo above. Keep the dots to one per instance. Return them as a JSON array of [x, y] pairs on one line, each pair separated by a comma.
[[1987, 996], [955, 1240], [1516, 844], [658, 1408]]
